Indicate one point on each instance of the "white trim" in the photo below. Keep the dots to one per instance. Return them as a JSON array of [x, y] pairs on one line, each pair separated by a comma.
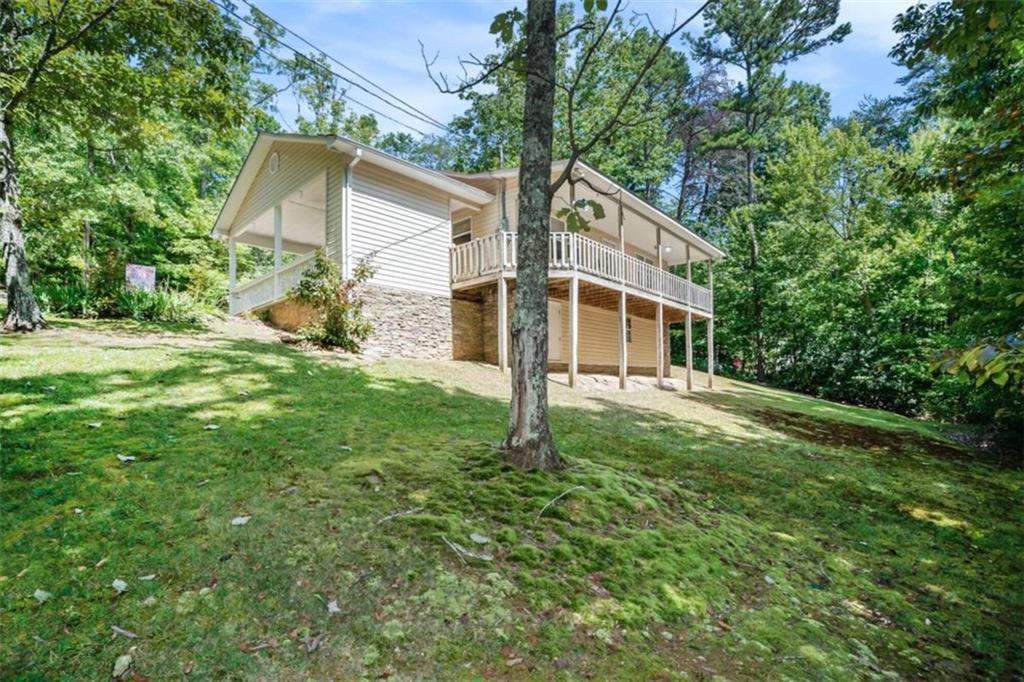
[[346, 216]]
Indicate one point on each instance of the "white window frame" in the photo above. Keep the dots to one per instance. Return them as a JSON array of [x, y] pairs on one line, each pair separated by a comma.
[[467, 232]]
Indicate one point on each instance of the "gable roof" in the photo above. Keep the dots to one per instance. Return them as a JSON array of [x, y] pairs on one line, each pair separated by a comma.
[[264, 141], [630, 200]]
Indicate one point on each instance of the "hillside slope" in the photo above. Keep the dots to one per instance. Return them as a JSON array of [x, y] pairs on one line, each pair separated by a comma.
[[744, 532]]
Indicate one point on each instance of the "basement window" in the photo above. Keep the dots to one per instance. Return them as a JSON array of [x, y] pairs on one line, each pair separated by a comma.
[[629, 330], [462, 231]]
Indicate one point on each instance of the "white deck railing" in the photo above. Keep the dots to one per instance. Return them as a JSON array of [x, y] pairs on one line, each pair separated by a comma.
[[270, 288], [572, 251]]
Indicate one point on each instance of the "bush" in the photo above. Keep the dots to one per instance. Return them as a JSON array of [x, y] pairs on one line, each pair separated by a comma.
[[121, 302], [336, 302], [66, 300]]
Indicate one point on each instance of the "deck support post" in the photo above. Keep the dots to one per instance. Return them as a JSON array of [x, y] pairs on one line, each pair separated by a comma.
[[689, 350], [278, 256], [232, 274], [623, 340], [659, 344], [711, 325], [574, 329], [502, 322]]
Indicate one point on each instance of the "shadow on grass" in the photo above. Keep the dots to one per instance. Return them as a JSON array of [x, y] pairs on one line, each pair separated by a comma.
[[675, 524]]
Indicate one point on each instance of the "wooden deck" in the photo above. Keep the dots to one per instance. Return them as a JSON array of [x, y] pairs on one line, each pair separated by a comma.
[[574, 255]]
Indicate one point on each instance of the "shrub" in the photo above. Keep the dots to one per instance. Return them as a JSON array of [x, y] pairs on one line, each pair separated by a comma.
[[336, 301], [120, 302], [66, 300]]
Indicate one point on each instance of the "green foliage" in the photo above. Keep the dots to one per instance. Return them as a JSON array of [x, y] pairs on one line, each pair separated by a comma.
[[578, 216], [336, 301], [122, 302]]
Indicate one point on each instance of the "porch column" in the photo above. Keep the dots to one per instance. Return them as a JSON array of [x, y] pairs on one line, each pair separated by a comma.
[[232, 274], [574, 329], [689, 327], [502, 322], [622, 300], [711, 325], [659, 323], [277, 251], [622, 340]]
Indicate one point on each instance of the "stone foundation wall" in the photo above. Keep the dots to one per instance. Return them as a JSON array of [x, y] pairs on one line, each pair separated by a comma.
[[408, 324]]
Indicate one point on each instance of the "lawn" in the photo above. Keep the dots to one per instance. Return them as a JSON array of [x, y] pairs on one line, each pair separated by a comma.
[[741, 532]]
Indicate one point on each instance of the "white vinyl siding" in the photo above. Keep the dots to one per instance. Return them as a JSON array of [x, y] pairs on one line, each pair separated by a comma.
[[335, 190], [298, 162], [406, 225]]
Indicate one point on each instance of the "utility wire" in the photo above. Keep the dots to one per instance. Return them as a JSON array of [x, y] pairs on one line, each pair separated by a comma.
[[333, 73], [334, 59]]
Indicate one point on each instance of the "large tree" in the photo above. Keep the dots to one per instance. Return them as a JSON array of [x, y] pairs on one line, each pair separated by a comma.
[[98, 66], [757, 37], [530, 44]]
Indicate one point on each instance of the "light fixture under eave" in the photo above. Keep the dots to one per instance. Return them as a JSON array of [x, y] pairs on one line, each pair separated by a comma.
[[668, 249]]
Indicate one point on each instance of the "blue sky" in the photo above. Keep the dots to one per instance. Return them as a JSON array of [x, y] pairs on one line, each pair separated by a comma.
[[380, 39]]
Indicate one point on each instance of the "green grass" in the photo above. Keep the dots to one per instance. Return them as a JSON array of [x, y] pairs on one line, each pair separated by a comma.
[[741, 532]]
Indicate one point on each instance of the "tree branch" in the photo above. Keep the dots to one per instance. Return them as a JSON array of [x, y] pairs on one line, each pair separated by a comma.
[[613, 121], [51, 50]]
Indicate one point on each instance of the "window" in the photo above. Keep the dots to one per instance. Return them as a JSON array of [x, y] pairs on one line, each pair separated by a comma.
[[644, 258], [462, 231]]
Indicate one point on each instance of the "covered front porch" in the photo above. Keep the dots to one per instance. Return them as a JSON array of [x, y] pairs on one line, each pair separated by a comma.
[[292, 229]]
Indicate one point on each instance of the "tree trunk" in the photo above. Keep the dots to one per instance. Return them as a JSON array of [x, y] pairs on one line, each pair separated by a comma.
[[759, 361], [529, 444], [23, 314]]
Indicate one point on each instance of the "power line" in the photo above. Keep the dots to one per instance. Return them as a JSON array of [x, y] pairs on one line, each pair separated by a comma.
[[333, 73], [334, 59]]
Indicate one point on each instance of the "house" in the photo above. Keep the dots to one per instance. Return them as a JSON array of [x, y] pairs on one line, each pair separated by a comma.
[[444, 249]]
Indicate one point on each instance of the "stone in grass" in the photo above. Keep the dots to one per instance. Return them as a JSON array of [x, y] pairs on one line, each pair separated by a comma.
[[122, 665], [42, 596], [479, 539], [332, 606], [119, 585], [211, 427], [126, 459], [240, 520]]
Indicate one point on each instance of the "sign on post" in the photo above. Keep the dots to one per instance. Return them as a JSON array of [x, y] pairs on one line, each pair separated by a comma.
[[141, 277]]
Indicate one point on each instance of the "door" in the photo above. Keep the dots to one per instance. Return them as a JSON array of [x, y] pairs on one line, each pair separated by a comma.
[[554, 330]]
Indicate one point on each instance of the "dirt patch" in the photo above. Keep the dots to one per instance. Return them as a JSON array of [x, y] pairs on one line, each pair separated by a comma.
[[838, 434]]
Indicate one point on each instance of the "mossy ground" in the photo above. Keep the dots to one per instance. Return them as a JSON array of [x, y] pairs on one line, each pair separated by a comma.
[[741, 532]]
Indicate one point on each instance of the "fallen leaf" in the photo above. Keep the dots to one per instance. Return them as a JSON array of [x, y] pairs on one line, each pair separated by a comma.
[[151, 576], [313, 643], [121, 666], [42, 596], [49, 389], [202, 483], [124, 633], [479, 539], [187, 668], [240, 520], [332, 606], [125, 459], [149, 601], [211, 427], [119, 585], [102, 561], [95, 425], [513, 662]]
